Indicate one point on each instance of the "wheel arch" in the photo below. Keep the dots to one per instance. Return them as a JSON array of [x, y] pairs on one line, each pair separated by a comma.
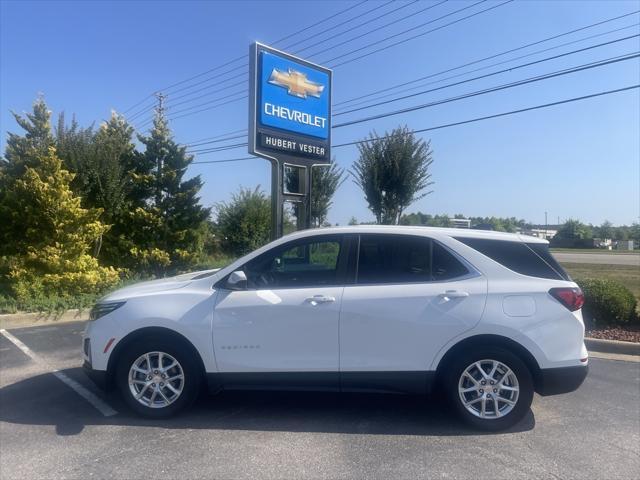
[[160, 332], [491, 340]]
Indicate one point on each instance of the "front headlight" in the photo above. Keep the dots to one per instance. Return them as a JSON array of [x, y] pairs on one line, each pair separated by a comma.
[[101, 309]]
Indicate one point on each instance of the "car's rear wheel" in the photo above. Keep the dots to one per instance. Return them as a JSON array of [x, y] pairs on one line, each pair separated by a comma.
[[158, 378], [491, 388]]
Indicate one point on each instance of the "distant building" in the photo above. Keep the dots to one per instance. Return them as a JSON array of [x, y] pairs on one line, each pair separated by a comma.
[[536, 231], [624, 245], [460, 222]]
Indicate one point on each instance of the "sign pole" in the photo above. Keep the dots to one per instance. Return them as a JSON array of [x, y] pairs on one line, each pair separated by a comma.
[[277, 176]]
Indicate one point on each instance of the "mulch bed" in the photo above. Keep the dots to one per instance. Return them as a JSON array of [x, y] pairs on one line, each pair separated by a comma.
[[626, 334]]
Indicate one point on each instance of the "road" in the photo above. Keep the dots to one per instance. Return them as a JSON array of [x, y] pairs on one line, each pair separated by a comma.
[[49, 431], [598, 258]]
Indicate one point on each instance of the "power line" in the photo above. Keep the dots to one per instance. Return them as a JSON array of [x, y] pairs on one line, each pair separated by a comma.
[[439, 73], [405, 83], [516, 67], [395, 44], [396, 91], [244, 56], [554, 57], [224, 161], [217, 136], [522, 47], [414, 36], [320, 22], [464, 96], [377, 29], [502, 114], [333, 27], [526, 81], [367, 46], [463, 122], [317, 43]]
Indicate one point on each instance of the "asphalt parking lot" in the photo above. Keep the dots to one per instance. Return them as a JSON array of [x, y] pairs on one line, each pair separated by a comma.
[[48, 430]]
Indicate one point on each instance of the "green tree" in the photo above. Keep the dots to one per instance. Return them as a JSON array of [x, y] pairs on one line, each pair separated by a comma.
[[101, 162], [244, 223], [46, 236], [166, 220], [606, 230], [634, 232], [76, 147], [26, 150], [425, 219], [324, 183], [573, 230], [393, 172]]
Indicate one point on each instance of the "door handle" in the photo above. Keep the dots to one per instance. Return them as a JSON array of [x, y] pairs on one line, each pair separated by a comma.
[[316, 299], [453, 294]]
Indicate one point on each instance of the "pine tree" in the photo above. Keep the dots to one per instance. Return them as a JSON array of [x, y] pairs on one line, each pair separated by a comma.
[[25, 150], [46, 236], [169, 221]]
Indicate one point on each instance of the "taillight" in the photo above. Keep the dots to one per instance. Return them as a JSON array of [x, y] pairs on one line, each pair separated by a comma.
[[572, 298]]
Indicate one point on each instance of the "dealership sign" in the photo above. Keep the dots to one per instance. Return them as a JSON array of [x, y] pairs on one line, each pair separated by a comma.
[[290, 108]]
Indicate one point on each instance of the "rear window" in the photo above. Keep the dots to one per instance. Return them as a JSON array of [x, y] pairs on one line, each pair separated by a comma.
[[532, 259]]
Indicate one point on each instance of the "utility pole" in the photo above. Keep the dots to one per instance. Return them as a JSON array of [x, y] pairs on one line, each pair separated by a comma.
[[159, 160], [161, 98], [546, 226]]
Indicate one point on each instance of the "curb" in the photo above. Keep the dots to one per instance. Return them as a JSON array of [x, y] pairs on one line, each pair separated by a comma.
[[612, 346], [38, 319]]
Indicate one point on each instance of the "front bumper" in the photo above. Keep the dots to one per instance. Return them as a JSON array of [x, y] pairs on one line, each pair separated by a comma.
[[99, 377], [554, 381]]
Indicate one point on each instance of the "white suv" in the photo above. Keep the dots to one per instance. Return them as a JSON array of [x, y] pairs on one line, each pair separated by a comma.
[[487, 318]]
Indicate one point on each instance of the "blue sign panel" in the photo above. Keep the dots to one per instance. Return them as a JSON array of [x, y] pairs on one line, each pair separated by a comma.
[[293, 97], [290, 102]]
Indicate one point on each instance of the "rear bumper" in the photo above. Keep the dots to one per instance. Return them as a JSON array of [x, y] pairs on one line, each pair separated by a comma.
[[553, 381], [99, 377]]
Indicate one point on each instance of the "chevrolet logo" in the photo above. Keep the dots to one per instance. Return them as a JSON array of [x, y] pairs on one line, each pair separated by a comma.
[[296, 83]]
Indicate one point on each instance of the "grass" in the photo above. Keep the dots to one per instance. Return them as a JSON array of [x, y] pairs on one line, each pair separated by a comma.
[[594, 250], [628, 275]]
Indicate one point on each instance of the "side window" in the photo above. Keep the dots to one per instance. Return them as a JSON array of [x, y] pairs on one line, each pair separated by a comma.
[[444, 265], [394, 259], [405, 259], [306, 264]]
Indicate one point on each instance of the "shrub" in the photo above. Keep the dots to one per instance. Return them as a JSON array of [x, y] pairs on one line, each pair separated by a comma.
[[608, 303]]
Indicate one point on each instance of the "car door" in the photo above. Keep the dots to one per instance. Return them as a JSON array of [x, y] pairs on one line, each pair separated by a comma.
[[286, 320], [411, 296]]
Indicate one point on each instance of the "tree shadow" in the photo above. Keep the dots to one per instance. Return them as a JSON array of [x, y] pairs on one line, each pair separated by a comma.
[[43, 400]]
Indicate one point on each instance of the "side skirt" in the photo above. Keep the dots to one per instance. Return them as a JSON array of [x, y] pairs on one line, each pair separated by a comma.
[[413, 382]]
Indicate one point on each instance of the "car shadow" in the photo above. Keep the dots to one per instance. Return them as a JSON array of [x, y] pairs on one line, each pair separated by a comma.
[[43, 400]]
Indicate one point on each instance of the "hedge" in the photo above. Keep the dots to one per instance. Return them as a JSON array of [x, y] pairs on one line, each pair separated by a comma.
[[608, 303]]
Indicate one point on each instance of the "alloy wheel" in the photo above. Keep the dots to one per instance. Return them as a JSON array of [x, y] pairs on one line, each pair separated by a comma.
[[488, 389], [156, 379]]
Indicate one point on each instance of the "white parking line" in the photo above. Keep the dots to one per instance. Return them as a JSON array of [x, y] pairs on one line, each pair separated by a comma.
[[90, 397]]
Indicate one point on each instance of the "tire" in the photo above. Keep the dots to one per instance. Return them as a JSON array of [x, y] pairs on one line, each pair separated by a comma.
[[512, 401], [166, 402]]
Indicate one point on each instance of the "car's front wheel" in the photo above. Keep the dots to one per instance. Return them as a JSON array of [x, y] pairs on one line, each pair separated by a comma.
[[157, 379], [491, 389]]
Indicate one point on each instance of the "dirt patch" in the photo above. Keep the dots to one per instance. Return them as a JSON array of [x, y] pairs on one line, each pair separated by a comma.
[[629, 334]]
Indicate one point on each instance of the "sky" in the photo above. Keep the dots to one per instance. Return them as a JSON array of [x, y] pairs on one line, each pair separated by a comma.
[[577, 160]]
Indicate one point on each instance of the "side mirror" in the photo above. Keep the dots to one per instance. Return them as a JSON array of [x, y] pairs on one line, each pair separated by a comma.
[[237, 280]]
